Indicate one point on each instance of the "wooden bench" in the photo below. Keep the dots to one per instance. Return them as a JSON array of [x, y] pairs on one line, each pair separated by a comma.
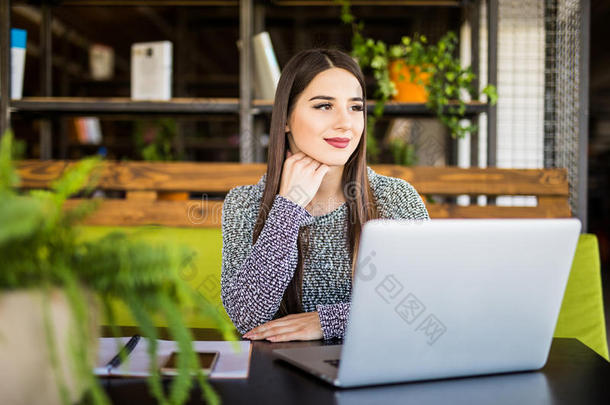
[[141, 184]]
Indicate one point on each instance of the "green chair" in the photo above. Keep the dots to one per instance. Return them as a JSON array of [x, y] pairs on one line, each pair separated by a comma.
[[582, 311], [202, 273], [581, 315]]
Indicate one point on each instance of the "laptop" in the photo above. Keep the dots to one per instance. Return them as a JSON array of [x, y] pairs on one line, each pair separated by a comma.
[[448, 298]]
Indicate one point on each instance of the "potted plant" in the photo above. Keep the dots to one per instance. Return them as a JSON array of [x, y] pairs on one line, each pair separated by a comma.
[[434, 67], [56, 285], [154, 139]]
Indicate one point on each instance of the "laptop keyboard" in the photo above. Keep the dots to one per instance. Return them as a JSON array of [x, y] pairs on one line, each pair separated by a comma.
[[333, 362]]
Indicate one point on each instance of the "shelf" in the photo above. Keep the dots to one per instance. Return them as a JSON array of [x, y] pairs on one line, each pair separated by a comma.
[[186, 106], [443, 3], [134, 3], [391, 108], [91, 105], [235, 3]]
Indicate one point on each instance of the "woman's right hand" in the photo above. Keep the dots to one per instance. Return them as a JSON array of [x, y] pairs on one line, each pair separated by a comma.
[[301, 178]]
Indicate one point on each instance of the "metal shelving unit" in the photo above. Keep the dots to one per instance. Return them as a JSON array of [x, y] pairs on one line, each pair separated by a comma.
[[251, 20], [47, 106]]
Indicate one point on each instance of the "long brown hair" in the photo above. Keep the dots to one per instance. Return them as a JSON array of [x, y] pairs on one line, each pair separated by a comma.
[[296, 75]]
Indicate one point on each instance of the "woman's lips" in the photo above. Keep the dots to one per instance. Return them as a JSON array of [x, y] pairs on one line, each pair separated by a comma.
[[338, 143]]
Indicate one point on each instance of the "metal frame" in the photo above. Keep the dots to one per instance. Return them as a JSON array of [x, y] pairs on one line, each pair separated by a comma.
[[474, 17], [492, 78], [5, 65], [46, 74], [550, 90], [246, 139], [583, 139]]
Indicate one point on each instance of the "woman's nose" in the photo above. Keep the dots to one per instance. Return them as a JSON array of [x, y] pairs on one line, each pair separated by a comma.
[[343, 119]]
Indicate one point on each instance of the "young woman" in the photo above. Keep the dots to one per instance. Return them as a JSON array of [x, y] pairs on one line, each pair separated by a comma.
[[290, 241]]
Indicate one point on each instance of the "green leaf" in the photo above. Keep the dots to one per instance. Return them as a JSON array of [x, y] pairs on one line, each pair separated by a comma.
[[8, 174], [490, 91], [75, 178]]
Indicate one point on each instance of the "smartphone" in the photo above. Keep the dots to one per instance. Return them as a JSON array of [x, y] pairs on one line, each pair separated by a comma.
[[207, 361]]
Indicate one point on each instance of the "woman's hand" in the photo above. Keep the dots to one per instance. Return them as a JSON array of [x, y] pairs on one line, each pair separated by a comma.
[[301, 178], [305, 326]]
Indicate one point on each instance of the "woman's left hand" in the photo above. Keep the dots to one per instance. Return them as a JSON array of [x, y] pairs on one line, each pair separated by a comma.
[[305, 326]]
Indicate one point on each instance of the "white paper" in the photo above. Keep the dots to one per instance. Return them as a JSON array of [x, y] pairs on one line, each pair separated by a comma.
[[17, 70], [151, 70], [233, 361]]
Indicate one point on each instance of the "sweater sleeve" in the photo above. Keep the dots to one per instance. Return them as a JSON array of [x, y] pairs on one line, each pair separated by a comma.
[[333, 319], [254, 277], [399, 200]]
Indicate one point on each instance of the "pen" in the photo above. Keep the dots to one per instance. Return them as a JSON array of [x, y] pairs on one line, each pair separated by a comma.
[[125, 350]]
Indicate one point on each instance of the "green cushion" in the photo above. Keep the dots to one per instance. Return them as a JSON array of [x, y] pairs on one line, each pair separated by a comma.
[[581, 315], [203, 273], [582, 311]]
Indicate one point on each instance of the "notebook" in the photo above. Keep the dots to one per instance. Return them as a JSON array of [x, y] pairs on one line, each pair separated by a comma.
[[233, 361]]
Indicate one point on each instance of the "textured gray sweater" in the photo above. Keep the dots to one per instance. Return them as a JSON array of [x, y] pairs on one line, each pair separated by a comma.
[[254, 277]]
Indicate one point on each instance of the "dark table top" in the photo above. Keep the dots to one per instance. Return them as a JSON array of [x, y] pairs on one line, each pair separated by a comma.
[[574, 374]]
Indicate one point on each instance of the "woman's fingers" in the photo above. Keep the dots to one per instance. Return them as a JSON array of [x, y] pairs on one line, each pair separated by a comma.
[[289, 321], [286, 337], [303, 172], [303, 326], [294, 156], [322, 170], [274, 330], [278, 330], [267, 325]]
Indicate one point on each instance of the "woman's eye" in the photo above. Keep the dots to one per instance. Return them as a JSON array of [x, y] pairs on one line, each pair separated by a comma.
[[323, 107]]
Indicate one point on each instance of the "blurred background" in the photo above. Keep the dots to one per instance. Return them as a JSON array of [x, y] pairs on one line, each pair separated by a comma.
[[553, 105]]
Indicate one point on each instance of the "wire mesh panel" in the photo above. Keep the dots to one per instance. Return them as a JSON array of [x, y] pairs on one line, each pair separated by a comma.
[[521, 88], [562, 87], [539, 60]]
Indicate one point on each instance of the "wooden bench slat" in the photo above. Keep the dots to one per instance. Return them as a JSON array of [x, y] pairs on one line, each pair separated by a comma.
[[145, 183], [487, 181], [141, 195], [474, 211], [208, 214], [183, 176], [221, 177], [192, 213]]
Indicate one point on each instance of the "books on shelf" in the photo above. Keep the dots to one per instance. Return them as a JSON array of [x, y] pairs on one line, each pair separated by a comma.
[[101, 62], [267, 71], [151, 70], [88, 130], [233, 360], [18, 46]]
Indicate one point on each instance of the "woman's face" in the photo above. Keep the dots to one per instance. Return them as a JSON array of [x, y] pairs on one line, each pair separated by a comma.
[[331, 106]]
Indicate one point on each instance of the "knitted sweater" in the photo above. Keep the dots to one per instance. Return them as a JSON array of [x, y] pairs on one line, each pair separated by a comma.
[[254, 277]]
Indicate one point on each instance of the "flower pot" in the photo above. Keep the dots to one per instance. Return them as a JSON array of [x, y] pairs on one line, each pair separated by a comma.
[[408, 91], [27, 375]]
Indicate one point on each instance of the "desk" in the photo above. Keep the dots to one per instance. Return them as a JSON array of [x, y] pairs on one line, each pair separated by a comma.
[[574, 374]]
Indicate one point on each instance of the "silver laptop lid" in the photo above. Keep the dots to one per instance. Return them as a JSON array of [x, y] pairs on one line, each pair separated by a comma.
[[446, 298]]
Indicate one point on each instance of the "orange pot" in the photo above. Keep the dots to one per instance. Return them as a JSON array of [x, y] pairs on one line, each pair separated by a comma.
[[408, 91], [172, 195]]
